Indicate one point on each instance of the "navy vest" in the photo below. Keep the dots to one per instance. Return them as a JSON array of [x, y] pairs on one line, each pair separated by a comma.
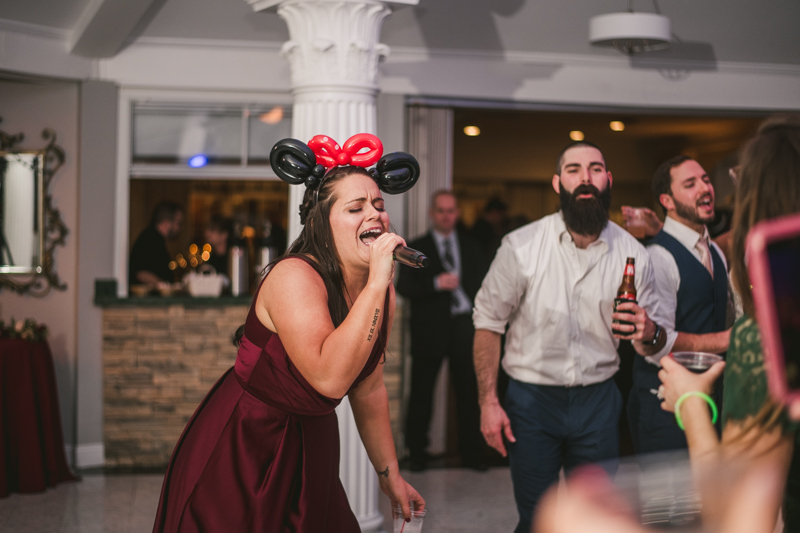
[[702, 302]]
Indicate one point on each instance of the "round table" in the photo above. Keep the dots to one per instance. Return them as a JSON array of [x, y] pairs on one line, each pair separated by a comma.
[[31, 441]]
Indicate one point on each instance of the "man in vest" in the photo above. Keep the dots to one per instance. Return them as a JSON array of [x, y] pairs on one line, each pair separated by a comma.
[[692, 285]]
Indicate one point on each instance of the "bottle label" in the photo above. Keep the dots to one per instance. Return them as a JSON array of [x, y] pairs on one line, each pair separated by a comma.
[[627, 296], [630, 270]]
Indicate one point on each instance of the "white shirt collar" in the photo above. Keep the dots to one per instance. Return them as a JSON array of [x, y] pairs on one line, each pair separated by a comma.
[[683, 233], [565, 236], [439, 238]]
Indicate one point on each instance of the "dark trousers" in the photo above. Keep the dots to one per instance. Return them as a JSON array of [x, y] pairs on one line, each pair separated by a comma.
[[558, 427], [424, 370], [652, 428]]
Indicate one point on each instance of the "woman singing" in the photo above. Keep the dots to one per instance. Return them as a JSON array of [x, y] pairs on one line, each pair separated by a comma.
[[261, 453]]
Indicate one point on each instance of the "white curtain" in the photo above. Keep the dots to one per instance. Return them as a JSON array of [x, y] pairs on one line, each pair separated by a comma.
[[430, 140]]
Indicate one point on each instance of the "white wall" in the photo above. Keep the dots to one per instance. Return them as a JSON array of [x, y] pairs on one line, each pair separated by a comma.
[[30, 108], [95, 233]]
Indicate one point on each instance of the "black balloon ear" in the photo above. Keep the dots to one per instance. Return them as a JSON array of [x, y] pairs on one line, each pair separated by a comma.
[[397, 172], [292, 160]]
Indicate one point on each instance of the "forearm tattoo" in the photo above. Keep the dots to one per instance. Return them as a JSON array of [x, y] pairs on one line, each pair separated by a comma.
[[384, 473], [374, 321]]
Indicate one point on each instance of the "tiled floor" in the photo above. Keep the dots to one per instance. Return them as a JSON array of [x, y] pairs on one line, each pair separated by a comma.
[[458, 500]]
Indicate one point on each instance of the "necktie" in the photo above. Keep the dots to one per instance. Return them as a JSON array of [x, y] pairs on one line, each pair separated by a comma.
[[448, 261], [449, 264], [705, 255]]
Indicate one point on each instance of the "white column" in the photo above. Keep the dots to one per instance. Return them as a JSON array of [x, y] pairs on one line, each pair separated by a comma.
[[333, 53]]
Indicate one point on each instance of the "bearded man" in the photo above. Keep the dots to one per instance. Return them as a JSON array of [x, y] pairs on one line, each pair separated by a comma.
[[553, 283], [692, 285]]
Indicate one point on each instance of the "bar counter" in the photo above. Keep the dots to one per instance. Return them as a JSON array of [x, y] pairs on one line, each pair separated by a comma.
[[161, 356], [166, 301]]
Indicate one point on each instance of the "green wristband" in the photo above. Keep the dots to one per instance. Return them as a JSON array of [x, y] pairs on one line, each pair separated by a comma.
[[699, 394]]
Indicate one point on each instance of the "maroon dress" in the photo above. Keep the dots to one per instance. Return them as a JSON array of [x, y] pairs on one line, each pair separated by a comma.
[[261, 453]]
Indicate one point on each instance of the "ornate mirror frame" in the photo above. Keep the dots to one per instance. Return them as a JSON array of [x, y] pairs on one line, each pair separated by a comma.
[[39, 280]]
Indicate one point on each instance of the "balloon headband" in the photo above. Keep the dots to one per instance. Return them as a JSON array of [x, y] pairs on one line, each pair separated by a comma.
[[295, 162]]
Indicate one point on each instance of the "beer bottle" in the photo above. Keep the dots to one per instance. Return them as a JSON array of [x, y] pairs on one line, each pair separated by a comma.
[[626, 291]]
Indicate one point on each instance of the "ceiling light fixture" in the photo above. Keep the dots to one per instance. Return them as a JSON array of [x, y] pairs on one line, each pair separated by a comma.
[[616, 125], [630, 33], [576, 135], [472, 131]]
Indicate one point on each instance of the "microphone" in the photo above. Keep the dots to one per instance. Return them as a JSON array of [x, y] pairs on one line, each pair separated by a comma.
[[410, 257]]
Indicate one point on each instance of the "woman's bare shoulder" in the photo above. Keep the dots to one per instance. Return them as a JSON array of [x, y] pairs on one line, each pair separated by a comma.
[[292, 276]]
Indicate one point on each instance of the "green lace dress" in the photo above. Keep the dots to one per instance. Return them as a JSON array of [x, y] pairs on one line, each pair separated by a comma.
[[745, 392]]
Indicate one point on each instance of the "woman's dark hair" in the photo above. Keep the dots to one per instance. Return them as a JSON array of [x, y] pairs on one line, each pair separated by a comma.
[[316, 243], [767, 186], [316, 239]]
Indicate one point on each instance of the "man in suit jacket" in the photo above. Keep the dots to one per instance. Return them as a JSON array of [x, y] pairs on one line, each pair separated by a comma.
[[441, 298]]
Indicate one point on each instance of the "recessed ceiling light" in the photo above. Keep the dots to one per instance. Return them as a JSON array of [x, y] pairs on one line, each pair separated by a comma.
[[472, 131], [616, 125], [576, 135]]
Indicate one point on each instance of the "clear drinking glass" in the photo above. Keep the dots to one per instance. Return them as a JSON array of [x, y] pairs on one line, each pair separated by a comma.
[[401, 526], [697, 362]]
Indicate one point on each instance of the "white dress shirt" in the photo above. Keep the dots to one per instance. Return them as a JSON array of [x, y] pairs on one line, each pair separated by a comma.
[[557, 301], [668, 277], [461, 304]]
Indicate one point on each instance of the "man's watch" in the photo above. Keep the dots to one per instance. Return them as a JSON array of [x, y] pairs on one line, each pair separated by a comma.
[[654, 342]]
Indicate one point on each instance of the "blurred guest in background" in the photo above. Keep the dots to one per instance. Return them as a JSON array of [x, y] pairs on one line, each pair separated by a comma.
[[149, 259], [691, 278], [217, 234], [441, 297], [489, 229]]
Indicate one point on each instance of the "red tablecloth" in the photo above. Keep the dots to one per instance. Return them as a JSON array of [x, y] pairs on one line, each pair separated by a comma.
[[31, 441]]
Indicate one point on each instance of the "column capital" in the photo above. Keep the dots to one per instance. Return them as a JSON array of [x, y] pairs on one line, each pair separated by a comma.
[[263, 5], [334, 43]]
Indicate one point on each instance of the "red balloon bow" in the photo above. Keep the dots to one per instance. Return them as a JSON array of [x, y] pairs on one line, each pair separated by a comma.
[[329, 154]]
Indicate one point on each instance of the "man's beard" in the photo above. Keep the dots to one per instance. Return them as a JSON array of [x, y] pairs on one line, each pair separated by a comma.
[[688, 213], [586, 217]]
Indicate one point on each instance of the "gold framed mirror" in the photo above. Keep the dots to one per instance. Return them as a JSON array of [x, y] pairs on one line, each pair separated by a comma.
[[30, 227]]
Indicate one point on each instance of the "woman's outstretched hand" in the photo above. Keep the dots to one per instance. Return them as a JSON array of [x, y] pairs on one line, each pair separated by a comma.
[[399, 491], [676, 381], [381, 259]]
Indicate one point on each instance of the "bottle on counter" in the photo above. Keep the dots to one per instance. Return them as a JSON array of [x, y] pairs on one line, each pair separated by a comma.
[[626, 291], [267, 249], [237, 263]]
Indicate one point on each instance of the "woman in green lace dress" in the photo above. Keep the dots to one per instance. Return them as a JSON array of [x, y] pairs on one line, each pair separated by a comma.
[[755, 428]]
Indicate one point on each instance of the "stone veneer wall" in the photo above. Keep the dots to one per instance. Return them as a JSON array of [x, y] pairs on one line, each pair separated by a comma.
[[158, 365]]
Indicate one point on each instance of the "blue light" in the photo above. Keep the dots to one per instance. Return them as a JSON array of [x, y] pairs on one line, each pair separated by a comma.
[[198, 161]]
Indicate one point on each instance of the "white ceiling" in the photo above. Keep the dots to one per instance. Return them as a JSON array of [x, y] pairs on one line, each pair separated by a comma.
[[61, 14], [721, 30]]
